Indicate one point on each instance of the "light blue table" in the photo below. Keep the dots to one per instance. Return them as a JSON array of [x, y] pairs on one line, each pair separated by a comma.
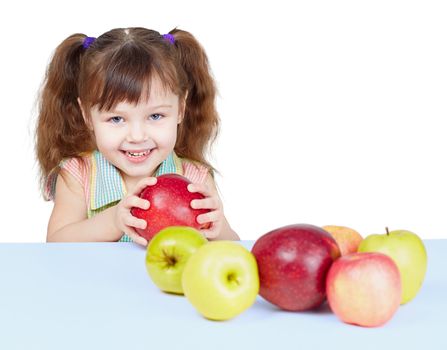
[[99, 296]]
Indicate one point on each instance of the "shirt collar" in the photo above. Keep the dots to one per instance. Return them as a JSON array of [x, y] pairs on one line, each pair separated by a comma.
[[107, 185]]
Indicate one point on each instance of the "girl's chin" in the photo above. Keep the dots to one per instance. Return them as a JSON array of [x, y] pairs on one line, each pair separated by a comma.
[[127, 173]]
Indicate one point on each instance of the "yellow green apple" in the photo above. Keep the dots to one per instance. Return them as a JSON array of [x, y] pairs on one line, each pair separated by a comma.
[[348, 239], [167, 254], [221, 280], [408, 252]]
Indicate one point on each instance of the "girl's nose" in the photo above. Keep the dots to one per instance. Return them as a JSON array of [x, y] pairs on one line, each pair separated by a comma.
[[137, 133]]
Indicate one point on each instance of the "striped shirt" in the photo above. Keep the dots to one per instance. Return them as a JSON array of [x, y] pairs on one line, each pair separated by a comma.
[[103, 184]]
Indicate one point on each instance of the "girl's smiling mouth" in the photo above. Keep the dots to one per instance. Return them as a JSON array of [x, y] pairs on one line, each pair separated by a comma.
[[136, 156]]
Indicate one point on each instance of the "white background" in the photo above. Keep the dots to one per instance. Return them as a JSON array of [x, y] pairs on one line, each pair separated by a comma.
[[332, 111]]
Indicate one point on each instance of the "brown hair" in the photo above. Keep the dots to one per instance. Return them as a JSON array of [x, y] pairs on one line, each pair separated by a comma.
[[117, 67]]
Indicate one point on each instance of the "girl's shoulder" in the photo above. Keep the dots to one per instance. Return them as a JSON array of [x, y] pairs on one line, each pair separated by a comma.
[[78, 167]]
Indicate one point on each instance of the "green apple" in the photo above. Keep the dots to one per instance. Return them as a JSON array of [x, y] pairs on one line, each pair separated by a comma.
[[408, 252], [167, 254], [221, 280]]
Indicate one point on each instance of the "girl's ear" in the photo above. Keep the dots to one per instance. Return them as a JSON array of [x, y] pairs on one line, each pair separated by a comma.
[[182, 108], [86, 120]]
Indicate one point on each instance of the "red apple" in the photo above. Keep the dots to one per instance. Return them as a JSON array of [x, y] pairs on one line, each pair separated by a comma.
[[170, 205], [293, 262], [364, 289]]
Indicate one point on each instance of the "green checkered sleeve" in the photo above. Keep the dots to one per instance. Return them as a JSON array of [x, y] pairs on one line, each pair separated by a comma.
[[125, 238]]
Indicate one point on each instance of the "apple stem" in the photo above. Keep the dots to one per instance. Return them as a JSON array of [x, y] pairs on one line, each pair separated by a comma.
[[170, 258], [387, 232]]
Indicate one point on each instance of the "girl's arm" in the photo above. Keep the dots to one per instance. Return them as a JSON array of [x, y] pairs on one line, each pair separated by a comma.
[[227, 232], [221, 229], [69, 222]]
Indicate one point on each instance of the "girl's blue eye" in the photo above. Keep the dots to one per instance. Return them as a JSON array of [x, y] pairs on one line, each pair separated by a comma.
[[116, 120], [156, 116]]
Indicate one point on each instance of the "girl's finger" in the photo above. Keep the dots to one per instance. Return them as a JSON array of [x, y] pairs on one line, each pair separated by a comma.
[[134, 201], [134, 236], [200, 188], [212, 216], [142, 184], [138, 239], [206, 203], [210, 234], [132, 221]]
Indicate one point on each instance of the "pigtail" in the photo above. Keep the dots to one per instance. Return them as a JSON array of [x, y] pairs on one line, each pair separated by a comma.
[[61, 131], [200, 126]]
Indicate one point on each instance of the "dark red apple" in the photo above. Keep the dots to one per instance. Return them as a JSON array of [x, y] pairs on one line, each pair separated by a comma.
[[293, 262], [170, 205]]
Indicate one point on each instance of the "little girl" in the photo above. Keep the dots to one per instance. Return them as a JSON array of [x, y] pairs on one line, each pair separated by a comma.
[[115, 112]]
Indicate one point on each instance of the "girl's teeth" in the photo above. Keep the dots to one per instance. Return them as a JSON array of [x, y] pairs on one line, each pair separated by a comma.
[[139, 154]]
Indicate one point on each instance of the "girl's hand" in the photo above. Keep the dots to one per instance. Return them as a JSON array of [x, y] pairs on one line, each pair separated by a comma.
[[211, 202], [124, 220]]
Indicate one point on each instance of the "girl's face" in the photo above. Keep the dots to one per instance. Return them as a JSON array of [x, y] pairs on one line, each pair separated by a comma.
[[138, 138]]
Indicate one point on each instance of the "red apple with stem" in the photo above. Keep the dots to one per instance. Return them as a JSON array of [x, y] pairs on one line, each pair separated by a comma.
[[170, 205]]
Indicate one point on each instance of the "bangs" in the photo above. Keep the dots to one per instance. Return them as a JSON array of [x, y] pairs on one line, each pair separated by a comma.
[[126, 76]]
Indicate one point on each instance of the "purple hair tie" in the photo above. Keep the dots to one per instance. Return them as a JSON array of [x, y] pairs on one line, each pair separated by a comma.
[[88, 41], [169, 37]]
